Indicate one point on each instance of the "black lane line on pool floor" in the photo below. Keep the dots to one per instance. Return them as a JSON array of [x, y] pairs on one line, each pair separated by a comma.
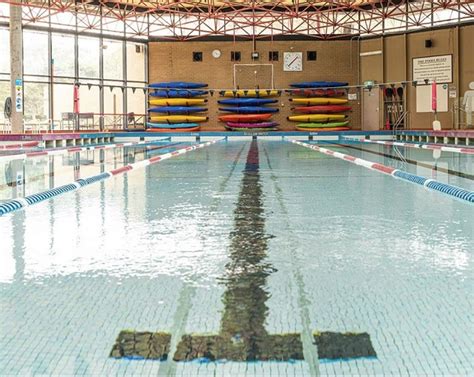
[[242, 335], [413, 162]]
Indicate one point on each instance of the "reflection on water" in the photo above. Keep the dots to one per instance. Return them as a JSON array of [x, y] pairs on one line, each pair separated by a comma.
[[242, 335]]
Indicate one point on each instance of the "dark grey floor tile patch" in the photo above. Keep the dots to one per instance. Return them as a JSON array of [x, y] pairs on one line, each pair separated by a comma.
[[141, 345], [281, 347], [333, 345]]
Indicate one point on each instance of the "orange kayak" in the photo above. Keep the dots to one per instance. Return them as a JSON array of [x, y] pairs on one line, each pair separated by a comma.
[[244, 117], [190, 129], [323, 129], [322, 109]]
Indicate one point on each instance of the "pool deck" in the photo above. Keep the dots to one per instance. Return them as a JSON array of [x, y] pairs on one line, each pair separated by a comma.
[[462, 137]]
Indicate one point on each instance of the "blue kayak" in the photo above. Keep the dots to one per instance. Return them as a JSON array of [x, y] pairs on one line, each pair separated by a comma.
[[250, 109], [173, 125], [319, 84], [177, 85], [177, 109], [178, 93], [247, 101]]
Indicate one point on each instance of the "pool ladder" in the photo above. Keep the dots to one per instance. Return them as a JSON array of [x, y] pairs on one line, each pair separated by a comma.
[[401, 119]]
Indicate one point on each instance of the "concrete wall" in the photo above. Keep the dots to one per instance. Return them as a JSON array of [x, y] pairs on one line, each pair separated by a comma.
[[172, 61], [395, 64]]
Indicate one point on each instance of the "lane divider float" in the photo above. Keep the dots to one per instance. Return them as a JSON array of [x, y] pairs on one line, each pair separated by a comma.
[[23, 156], [19, 203], [432, 184], [438, 147], [28, 144]]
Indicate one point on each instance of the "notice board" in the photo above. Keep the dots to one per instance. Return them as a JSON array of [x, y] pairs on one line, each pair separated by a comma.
[[433, 68]]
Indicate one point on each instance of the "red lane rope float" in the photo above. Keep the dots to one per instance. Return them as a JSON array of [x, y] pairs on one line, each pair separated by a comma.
[[432, 184], [22, 156], [440, 147], [19, 203]]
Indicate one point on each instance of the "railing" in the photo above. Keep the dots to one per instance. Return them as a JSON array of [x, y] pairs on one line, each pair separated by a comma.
[[463, 114], [82, 122]]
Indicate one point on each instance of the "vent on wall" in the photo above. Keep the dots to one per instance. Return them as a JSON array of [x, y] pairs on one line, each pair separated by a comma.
[[235, 56], [273, 56], [311, 56], [197, 56], [428, 43]]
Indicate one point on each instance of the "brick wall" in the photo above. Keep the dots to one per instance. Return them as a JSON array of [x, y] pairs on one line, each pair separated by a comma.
[[172, 61]]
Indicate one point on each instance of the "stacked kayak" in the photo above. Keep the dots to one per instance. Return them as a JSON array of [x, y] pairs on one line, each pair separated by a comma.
[[247, 111], [319, 106], [176, 106]]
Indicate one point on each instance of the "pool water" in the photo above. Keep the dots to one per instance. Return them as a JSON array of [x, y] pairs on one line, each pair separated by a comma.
[[253, 258]]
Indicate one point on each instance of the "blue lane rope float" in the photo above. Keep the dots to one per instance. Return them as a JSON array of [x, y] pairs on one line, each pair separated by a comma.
[[432, 184], [19, 203]]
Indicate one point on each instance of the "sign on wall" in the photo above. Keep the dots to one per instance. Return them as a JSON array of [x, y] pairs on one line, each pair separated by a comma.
[[431, 68], [19, 95]]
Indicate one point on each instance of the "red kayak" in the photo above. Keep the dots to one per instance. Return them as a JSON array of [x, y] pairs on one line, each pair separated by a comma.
[[322, 109], [252, 125], [318, 92], [244, 117]]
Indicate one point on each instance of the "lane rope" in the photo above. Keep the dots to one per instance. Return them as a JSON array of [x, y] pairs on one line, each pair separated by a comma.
[[432, 184], [20, 203], [439, 147], [24, 156]]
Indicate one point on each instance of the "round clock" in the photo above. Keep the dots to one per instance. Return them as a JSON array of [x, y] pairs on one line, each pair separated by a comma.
[[216, 54]]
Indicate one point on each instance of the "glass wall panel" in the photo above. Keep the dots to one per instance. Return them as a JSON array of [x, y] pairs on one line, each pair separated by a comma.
[[136, 101], [36, 106], [4, 93], [113, 59], [89, 101], [135, 62], [35, 52], [63, 103], [63, 55], [89, 57], [113, 107], [4, 51]]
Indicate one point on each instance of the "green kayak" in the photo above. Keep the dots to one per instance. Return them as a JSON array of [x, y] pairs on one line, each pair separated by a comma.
[[323, 125]]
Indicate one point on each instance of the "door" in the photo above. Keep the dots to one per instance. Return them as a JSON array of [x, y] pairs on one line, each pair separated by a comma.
[[370, 110]]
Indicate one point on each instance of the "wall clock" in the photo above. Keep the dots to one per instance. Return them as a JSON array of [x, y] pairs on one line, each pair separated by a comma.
[[293, 61], [216, 53]]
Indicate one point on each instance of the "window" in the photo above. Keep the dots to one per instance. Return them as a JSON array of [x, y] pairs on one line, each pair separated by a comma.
[[89, 53], [113, 59], [197, 56], [63, 55], [63, 101], [35, 53], [235, 56], [273, 56], [135, 62], [36, 107], [311, 55], [4, 51]]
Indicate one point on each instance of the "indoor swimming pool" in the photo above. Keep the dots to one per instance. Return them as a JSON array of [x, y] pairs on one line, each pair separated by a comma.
[[244, 258]]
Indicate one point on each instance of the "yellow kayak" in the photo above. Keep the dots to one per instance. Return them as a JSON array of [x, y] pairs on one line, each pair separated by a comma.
[[177, 119], [177, 101], [316, 117], [319, 101], [252, 93]]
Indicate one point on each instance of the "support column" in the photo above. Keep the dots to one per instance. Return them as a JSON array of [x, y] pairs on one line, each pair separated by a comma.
[[16, 67]]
